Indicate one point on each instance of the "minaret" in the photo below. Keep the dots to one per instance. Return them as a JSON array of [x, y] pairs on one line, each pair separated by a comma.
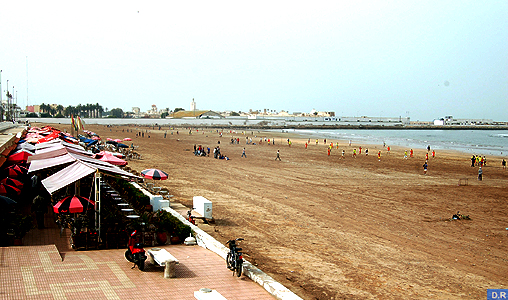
[[193, 105]]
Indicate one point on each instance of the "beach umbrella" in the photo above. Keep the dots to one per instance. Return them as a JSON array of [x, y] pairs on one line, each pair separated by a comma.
[[95, 137], [14, 171], [9, 190], [109, 139], [73, 204], [127, 139], [19, 157], [154, 174], [12, 182], [117, 140], [93, 142]]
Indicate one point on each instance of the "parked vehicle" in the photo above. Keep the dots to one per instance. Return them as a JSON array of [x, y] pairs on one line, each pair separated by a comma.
[[234, 259], [135, 252], [190, 217]]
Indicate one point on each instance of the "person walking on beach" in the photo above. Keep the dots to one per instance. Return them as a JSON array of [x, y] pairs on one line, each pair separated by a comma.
[[405, 154], [367, 152], [388, 150], [503, 163], [305, 145], [433, 154], [328, 151], [359, 150], [354, 153], [343, 154], [428, 148], [411, 153], [379, 155], [278, 155], [425, 168], [243, 153], [427, 156], [480, 174], [473, 160]]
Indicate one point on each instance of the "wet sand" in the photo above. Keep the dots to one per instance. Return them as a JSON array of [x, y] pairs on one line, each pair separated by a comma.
[[332, 228]]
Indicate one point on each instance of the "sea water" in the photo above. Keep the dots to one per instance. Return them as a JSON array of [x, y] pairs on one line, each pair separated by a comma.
[[485, 142]]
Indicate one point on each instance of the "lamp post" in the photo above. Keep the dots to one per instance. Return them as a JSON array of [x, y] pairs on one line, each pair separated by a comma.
[[7, 97]]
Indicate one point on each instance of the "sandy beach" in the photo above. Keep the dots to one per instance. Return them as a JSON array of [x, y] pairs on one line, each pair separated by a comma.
[[333, 228]]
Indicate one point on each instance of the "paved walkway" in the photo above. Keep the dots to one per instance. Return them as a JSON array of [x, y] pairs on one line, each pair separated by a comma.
[[47, 268]]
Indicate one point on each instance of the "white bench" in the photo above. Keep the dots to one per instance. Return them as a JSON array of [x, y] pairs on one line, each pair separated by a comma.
[[208, 294], [164, 259]]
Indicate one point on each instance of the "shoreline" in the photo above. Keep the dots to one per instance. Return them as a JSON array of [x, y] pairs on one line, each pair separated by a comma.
[[260, 124], [345, 143]]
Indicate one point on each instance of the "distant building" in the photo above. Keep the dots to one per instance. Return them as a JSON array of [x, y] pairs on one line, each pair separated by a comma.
[[196, 114], [31, 108], [193, 105], [450, 120]]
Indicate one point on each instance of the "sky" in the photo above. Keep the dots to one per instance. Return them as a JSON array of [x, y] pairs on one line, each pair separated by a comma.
[[417, 59]]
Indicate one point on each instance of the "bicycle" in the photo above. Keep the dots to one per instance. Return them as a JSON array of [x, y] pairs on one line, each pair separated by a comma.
[[234, 259]]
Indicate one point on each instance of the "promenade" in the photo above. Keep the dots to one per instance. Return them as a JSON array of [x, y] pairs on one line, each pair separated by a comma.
[[46, 267]]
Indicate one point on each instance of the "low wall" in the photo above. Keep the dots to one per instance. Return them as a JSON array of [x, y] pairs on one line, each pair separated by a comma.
[[156, 201]]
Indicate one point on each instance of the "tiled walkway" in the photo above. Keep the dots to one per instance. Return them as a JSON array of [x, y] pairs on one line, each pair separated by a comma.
[[46, 268]]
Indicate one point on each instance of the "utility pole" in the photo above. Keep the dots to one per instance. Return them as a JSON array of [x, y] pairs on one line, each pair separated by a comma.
[[7, 97], [12, 110], [26, 108]]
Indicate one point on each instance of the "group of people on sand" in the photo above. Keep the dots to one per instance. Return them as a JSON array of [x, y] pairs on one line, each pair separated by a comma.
[[218, 155], [201, 151], [478, 160]]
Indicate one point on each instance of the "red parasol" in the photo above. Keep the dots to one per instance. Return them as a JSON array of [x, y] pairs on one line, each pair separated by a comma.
[[73, 204], [12, 182], [15, 171], [154, 174], [8, 190]]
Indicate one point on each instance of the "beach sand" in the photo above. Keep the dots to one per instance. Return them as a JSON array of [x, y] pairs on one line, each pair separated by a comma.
[[332, 228]]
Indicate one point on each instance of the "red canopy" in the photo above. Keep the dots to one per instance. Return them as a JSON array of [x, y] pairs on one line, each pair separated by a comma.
[[113, 160], [19, 157]]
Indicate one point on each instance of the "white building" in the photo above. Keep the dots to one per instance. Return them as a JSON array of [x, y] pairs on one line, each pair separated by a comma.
[[193, 105]]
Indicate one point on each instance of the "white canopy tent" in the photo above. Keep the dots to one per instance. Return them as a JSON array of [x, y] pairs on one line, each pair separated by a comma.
[[80, 166]]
